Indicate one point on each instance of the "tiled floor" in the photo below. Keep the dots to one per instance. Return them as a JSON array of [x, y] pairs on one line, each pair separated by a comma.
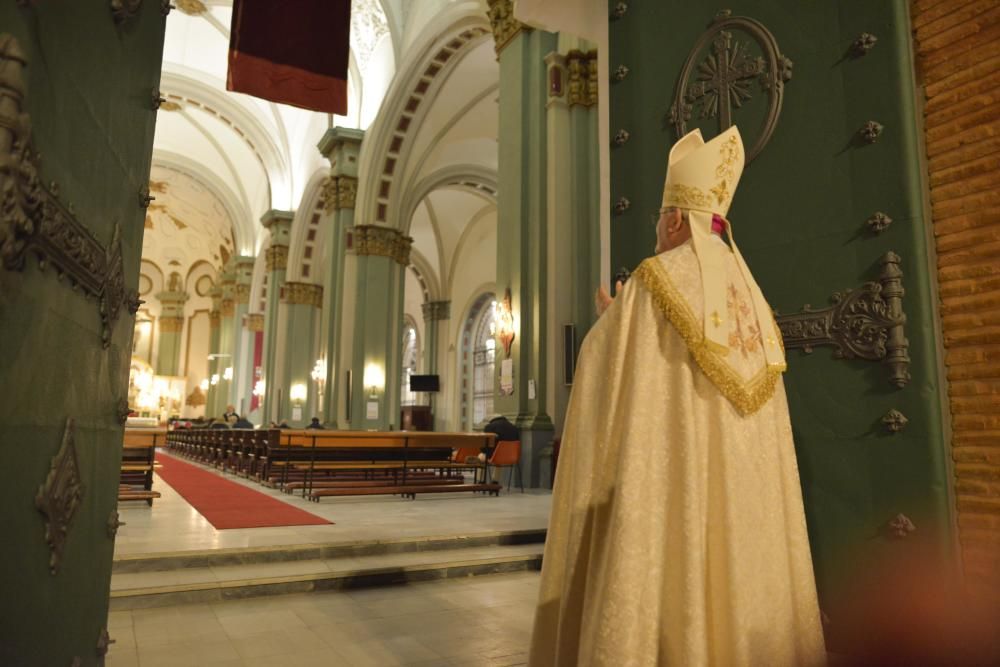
[[172, 525], [471, 622]]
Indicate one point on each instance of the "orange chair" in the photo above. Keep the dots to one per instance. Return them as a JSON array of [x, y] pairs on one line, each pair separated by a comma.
[[460, 459], [507, 454]]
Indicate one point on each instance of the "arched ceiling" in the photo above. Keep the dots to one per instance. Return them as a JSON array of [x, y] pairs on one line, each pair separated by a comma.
[[186, 224]]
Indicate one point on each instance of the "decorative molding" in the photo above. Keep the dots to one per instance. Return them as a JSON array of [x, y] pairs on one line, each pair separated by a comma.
[[895, 421], [123, 10], [254, 322], [123, 410], [867, 323], [241, 293], [276, 258], [35, 220], [581, 85], [870, 131], [863, 44], [60, 496], [347, 191], [328, 194], [104, 641], [436, 310], [505, 26], [879, 222], [380, 241], [725, 77], [113, 524], [307, 294], [899, 527]]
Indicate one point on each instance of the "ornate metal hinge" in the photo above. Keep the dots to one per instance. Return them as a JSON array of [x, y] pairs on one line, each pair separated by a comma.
[[867, 323], [60, 496], [34, 219]]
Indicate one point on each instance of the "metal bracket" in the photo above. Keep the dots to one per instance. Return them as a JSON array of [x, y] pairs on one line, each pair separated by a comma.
[[866, 323]]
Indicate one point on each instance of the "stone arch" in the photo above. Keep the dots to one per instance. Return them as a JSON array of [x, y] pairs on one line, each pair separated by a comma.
[[307, 236]]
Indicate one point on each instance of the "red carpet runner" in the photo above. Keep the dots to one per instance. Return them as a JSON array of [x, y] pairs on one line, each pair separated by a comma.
[[227, 504]]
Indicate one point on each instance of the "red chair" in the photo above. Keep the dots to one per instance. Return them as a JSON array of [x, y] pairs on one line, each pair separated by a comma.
[[507, 454]]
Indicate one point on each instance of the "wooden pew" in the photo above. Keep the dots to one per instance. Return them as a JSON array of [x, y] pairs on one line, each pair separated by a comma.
[[138, 452]]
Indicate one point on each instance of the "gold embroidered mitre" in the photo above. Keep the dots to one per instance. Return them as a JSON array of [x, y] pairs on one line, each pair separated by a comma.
[[702, 178]]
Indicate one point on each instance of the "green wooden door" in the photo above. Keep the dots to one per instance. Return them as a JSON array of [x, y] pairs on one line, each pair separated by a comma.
[[800, 219], [76, 133]]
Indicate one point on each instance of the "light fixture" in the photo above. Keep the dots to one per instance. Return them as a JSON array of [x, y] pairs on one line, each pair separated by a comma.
[[215, 379], [204, 384], [298, 392], [318, 375], [228, 373], [259, 388], [374, 379], [504, 318]]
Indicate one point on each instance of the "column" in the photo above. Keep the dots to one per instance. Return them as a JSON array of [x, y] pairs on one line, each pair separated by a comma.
[[171, 327], [242, 348], [227, 325], [573, 209], [522, 234], [279, 223], [341, 147], [214, 374], [253, 325], [374, 295], [434, 313], [301, 303]]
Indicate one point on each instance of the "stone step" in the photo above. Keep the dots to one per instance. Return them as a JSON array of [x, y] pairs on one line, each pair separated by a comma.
[[216, 583], [206, 558]]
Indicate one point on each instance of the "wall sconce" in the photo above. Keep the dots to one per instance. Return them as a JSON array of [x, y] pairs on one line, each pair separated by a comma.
[[298, 392], [259, 388], [227, 374], [204, 384], [504, 318], [374, 379], [215, 379]]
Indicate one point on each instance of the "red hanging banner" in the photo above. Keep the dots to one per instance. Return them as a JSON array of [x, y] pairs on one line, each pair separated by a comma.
[[291, 52]]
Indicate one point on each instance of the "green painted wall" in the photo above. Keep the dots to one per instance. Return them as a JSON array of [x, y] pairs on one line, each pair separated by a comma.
[[799, 218], [88, 97]]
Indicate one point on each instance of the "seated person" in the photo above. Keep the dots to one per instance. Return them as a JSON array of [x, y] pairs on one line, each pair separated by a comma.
[[315, 424], [243, 422], [504, 430]]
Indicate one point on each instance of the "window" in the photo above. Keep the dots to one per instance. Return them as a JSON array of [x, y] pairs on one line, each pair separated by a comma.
[[483, 364], [409, 364]]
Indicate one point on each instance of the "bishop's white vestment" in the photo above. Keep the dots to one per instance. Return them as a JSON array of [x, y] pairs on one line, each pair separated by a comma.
[[677, 534]]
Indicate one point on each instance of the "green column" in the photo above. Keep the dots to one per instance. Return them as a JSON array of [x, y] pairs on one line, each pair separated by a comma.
[[214, 373], [253, 323], [242, 359], [301, 303], [279, 223], [375, 275], [522, 233], [341, 147], [573, 204], [171, 322], [227, 325], [434, 313]]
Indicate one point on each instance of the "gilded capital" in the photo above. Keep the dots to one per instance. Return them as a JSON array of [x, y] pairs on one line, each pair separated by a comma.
[[382, 242], [214, 319], [339, 192], [505, 26], [171, 324], [227, 307], [253, 322], [241, 293], [436, 310], [302, 294], [582, 83], [276, 258]]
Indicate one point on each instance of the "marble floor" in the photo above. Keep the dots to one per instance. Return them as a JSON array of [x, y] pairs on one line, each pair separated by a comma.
[[172, 525], [480, 621]]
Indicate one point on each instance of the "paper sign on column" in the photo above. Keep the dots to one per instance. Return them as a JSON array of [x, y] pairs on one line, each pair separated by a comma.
[[372, 412], [507, 377]]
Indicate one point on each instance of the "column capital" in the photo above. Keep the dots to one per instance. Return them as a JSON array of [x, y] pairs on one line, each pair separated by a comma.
[[505, 26], [253, 321], [380, 241], [582, 85], [339, 192], [214, 318], [308, 294], [171, 324], [279, 223], [171, 298], [436, 310], [241, 294], [276, 258]]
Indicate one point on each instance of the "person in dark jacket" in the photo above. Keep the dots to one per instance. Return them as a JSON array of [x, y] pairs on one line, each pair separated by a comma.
[[315, 424], [503, 429]]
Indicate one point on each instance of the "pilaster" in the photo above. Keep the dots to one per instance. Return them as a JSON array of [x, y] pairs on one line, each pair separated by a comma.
[[242, 359], [301, 303], [341, 147], [214, 370], [523, 232], [171, 327], [279, 224], [253, 327], [227, 322]]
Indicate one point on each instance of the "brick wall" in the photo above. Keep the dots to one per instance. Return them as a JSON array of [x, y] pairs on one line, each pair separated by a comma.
[[958, 64]]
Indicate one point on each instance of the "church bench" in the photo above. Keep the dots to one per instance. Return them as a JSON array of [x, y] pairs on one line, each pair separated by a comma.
[[138, 462]]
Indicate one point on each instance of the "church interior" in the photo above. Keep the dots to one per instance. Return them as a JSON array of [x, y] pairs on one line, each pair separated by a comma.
[[255, 355]]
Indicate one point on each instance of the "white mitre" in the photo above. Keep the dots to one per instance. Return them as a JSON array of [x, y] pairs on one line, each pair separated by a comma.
[[702, 178]]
